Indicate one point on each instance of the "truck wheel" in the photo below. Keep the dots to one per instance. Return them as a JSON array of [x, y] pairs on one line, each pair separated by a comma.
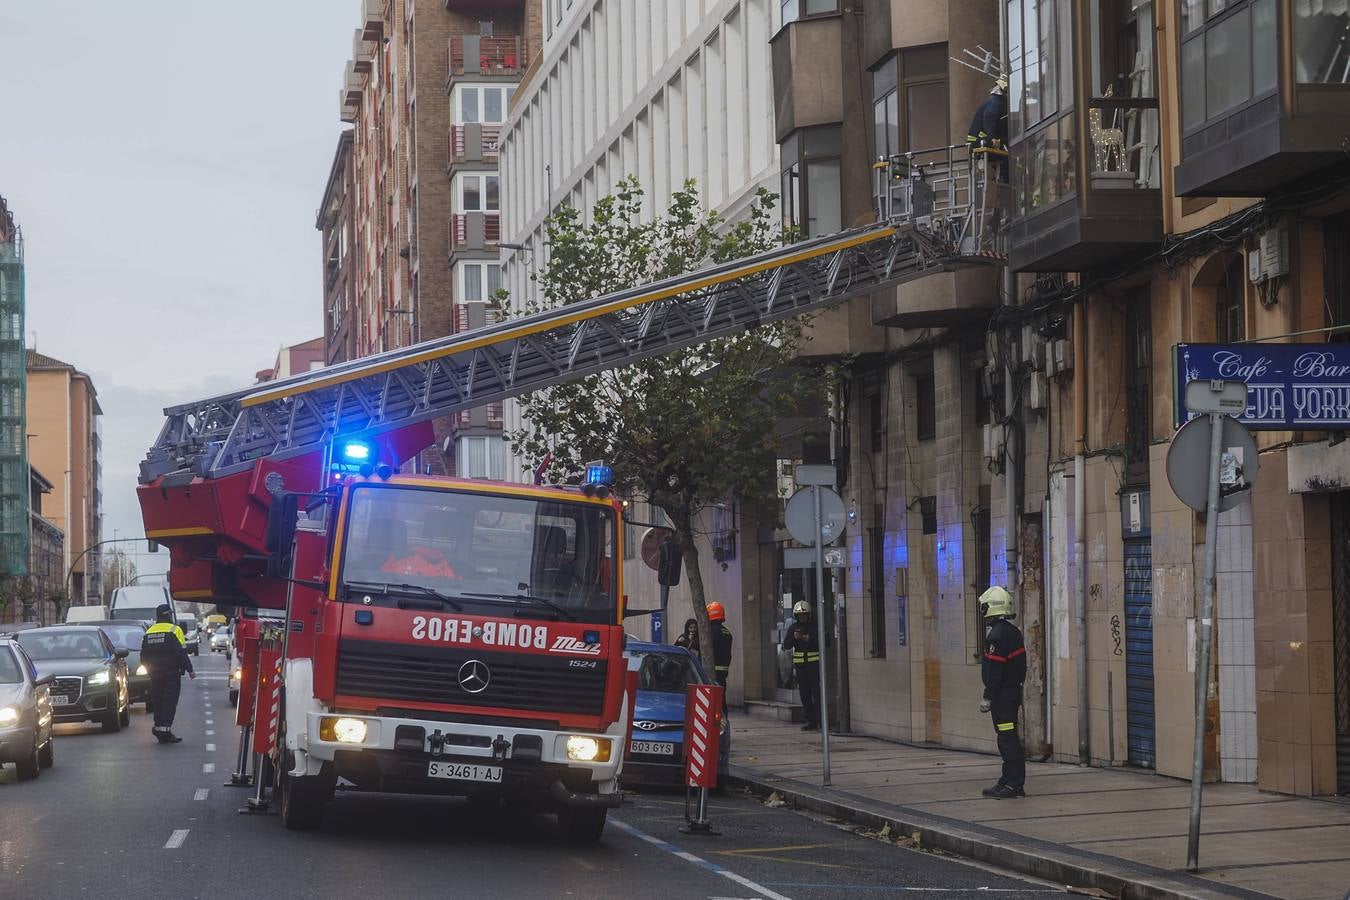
[[112, 721], [583, 826], [47, 755], [29, 768], [302, 798]]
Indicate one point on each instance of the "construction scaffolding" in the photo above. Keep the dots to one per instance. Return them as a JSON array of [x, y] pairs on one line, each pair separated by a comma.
[[14, 479]]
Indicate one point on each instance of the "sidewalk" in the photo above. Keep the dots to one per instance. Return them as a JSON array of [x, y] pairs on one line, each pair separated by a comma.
[[1119, 830]]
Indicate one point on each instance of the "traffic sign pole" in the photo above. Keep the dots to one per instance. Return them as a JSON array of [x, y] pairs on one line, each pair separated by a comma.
[[822, 641], [1216, 422]]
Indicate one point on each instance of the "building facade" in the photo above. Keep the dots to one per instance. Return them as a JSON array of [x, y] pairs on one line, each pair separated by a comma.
[[46, 554], [65, 441], [411, 212], [14, 508], [296, 359]]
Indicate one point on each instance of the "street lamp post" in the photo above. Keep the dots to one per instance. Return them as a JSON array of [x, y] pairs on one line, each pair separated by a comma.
[[71, 571]]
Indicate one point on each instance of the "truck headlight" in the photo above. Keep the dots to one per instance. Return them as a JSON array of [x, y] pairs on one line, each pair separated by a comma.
[[98, 678], [343, 730], [142, 670], [8, 715], [581, 748], [237, 674]]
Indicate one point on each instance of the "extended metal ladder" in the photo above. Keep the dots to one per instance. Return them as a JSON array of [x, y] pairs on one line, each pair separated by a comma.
[[224, 434]]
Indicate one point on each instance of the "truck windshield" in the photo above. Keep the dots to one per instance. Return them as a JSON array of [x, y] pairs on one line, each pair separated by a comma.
[[487, 551]]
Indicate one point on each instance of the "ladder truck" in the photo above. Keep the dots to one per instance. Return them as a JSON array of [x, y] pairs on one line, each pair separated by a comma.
[[442, 635]]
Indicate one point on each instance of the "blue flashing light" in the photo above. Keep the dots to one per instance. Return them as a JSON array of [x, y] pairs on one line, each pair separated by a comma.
[[357, 451], [597, 474]]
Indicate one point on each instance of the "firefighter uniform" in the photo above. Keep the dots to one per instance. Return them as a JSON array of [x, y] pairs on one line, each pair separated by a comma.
[[164, 653], [722, 640], [1004, 669], [803, 639]]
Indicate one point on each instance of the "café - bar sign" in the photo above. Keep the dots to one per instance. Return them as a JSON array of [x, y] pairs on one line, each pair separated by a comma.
[[1289, 386]]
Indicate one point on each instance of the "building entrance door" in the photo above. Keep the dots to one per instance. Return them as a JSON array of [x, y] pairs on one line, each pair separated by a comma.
[[1340, 625], [1139, 652]]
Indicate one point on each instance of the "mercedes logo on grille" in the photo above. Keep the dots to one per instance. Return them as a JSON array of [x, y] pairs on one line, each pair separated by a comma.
[[647, 726], [474, 676]]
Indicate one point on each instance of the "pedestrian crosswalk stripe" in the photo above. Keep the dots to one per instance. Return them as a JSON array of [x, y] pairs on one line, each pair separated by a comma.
[[210, 748], [208, 768], [202, 794], [210, 733], [176, 839]]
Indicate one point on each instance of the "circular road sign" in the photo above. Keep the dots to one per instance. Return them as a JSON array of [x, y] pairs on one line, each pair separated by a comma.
[[800, 516], [1188, 463]]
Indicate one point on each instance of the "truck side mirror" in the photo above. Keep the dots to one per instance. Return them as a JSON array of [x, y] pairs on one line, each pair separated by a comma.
[[279, 538], [668, 567]]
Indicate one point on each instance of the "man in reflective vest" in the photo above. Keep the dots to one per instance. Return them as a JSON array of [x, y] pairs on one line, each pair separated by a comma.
[[164, 653], [1004, 668], [803, 639]]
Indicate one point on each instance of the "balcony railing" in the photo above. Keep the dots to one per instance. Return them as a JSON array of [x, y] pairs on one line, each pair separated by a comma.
[[472, 54], [955, 190], [475, 231], [474, 142]]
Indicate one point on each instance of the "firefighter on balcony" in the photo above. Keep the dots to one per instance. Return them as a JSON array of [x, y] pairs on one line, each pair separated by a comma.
[[989, 125], [722, 639], [1004, 668], [803, 639], [164, 653]]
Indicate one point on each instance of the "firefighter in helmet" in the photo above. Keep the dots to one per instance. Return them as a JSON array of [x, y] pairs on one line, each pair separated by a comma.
[[803, 639], [164, 652], [722, 639], [1003, 669]]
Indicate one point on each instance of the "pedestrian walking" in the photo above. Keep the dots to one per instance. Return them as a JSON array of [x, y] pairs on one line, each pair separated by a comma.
[[803, 639], [689, 638], [722, 640], [164, 653], [1004, 669]]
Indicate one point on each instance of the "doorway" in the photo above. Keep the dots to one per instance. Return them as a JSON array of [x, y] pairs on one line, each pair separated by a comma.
[[1139, 709]]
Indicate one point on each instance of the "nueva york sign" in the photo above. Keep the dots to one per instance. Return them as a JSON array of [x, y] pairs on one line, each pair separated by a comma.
[[1289, 386]]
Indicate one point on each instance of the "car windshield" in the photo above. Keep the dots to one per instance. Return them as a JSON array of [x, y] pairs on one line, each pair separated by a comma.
[[552, 559], [9, 667], [669, 672], [128, 636], [40, 645], [187, 623]]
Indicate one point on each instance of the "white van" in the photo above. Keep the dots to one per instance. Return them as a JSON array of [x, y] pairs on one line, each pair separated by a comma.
[[139, 601], [86, 614]]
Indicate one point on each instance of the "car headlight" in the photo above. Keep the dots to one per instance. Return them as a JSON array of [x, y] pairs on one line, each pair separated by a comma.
[[98, 678], [8, 715], [237, 675], [581, 748], [343, 730], [142, 670]]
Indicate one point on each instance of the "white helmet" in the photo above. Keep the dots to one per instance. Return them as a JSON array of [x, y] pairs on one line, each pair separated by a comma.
[[801, 608]]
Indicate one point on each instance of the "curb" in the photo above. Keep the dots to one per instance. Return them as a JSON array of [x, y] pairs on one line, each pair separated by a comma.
[[1028, 856]]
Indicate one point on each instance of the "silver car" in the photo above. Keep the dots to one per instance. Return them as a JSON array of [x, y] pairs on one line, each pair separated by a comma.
[[25, 713]]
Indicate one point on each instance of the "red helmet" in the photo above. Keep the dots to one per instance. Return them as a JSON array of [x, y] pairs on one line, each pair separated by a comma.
[[716, 612]]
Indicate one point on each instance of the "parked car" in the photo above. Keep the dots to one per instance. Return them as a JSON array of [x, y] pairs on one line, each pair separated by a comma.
[[129, 635], [90, 682], [191, 636], [656, 752], [25, 713]]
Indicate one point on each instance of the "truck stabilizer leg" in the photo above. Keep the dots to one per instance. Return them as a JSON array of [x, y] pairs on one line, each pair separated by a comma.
[[240, 777]]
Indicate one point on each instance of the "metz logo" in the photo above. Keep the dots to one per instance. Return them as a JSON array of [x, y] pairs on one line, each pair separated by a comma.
[[574, 645]]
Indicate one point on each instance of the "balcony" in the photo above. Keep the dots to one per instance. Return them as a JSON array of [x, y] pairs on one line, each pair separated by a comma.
[[1085, 166], [363, 52], [1265, 93], [475, 232], [808, 74], [474, 143], [372, 19], [472, 54], [349, 97]]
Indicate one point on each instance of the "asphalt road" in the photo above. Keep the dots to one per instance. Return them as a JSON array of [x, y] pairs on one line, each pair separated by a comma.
[[121, 816]]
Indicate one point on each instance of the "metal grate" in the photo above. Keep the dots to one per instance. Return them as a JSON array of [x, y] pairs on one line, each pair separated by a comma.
[[68, 687], [1340, 625], [1139, 714], [431, 675]]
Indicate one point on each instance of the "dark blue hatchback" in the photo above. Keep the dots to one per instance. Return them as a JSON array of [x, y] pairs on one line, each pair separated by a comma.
[[656, 752]]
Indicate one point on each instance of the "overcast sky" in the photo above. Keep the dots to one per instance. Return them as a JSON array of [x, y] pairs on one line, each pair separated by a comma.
[[165, 159]]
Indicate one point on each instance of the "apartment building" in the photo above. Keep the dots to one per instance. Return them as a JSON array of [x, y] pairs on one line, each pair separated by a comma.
[[46, 558], [65, 442], [14, 507], [410, 213], [296, 359]]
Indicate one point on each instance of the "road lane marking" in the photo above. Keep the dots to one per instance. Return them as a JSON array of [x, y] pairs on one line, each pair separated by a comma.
[[698, 861], [210, 733], [210, 748], [176, 839], [208, 768], [210, 721], [202, 794]]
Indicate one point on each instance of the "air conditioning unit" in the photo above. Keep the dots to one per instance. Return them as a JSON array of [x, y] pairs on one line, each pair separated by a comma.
[[1032, 346], [1270, 259], [993, 443], [1038, 391], [1061, 351]]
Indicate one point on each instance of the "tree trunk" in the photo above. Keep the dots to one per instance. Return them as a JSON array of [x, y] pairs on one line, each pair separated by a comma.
[[684, 533]]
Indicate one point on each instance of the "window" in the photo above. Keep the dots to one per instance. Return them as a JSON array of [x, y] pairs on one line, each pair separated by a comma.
[[478, 193], [1138, 384], [1230, 324], [1336, 274], [1040, 98], [481, 103], [480, 457], [1228, 56], [910, 111], [1123, 109], [800, 9], [876, 541], [812, 201], [925, 402], [1321, 35], [928, 514], [479, 281]]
